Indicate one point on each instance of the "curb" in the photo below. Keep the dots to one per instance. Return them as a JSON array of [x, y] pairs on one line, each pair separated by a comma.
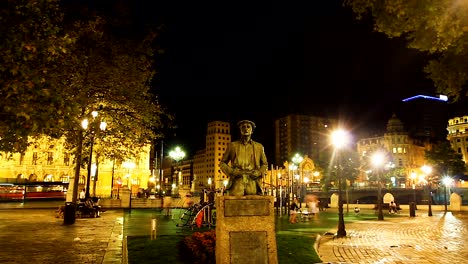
[[124, 251]]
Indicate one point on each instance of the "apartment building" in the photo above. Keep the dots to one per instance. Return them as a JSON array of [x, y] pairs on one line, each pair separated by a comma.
[[304, 134]]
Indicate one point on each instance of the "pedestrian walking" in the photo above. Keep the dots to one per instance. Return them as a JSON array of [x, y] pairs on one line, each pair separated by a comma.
[[293, 211]]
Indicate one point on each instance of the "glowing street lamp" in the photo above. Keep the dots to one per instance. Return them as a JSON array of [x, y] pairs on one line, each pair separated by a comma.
[[177, 154], [339, 139], [297, 159], [378, 159], [447, 181]]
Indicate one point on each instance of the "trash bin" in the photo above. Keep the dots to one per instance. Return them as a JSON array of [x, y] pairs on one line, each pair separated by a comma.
[[69, 213], [412, 209]]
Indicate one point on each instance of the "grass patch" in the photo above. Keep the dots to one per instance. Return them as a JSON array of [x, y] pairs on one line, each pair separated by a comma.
[[164, 249], [296, 249], [295, 242]]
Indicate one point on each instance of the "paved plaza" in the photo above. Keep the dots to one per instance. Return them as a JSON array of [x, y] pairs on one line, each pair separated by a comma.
[[441, 238], [37, 236]]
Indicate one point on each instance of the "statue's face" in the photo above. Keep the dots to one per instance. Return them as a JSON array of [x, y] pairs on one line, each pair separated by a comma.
[[246, 129]]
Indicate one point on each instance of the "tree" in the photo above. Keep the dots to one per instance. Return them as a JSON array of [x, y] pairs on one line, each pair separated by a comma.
[[349, 165], [56, 72], [437, 28], [444, 160], [112, 74], [399, 173], [31, 51]]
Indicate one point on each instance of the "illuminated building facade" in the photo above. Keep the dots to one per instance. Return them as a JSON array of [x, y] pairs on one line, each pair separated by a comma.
[[47, 160], [458, 135], [407, 152], [207, 173]]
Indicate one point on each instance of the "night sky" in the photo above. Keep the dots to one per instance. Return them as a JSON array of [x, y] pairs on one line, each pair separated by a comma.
[[230, 61]]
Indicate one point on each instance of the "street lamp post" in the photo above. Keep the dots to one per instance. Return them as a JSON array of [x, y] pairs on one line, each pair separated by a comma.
[[339, 139], [177, 154], [129, 165], [413, 178], [378, 160], [119, 183], [279, 193], [102, 126], [292, 168], [446, 181], [427, 170], [297, 159]]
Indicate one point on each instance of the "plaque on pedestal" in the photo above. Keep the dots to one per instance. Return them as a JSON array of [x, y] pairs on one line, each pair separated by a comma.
[[245, 230]]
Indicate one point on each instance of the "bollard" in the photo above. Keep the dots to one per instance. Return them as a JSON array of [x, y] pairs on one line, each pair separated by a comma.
[[412, 209], [69, 213]]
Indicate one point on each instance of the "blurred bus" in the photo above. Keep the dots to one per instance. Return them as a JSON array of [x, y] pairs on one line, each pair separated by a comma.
[[33, 191]]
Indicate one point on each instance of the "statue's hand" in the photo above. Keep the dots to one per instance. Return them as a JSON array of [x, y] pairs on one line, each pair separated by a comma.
[[236, 173], [255, 174]]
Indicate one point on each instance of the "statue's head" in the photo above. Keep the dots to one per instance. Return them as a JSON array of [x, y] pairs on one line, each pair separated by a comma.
[[246, 127], [239, 124]]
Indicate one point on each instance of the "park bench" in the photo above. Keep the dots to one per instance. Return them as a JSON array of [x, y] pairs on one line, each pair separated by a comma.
[[386, 206]]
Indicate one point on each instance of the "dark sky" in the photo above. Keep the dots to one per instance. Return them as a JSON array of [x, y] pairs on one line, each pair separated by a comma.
[[230, 61]]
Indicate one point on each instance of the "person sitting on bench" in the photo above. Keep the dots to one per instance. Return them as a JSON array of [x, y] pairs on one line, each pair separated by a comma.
[[392, 208]]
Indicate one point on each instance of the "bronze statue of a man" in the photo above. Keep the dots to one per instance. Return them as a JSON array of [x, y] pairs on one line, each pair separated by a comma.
[[244, 162]]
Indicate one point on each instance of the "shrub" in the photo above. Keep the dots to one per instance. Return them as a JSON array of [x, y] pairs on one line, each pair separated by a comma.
[[199, 248]]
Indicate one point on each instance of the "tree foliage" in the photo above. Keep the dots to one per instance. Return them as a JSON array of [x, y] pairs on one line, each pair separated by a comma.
[[436, 27], [31, 51], [348, 163], [444, 160], [59, 67], [112, 76]]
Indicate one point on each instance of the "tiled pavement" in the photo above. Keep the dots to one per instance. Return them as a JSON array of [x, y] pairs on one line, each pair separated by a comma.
[[441, 238], [36, 236]]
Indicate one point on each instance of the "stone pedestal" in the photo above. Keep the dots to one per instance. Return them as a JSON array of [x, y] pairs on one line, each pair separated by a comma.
[[245, 230]]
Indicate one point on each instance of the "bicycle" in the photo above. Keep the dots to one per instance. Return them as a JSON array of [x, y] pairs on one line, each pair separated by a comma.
[[198, 215]]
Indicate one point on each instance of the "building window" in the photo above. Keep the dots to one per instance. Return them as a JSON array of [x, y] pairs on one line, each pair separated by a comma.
[[459, 150], [65, 179], [34, 158], [21, 159], [136, 182], [50, 158], [66, 159]]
